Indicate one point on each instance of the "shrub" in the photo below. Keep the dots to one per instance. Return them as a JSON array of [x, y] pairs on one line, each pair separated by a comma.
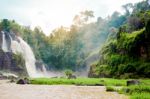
[[144, 69], [68, 73]]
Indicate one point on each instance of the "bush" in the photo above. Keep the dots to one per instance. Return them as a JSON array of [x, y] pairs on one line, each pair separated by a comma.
[[68, 73], [144, 69]]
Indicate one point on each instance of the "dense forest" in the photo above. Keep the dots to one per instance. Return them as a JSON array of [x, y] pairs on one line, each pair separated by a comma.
[[64, 48], [121, 41], [126, 52]]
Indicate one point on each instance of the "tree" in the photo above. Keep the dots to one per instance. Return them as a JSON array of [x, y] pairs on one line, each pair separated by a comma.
[[148, 29], [135, 23], [128, 8], [83, 17], [5, 25]]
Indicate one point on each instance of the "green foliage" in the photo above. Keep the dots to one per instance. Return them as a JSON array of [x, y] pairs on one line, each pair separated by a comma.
[[142, 95], [109, 47], [19, 60], [113, 82], [109, 88], [123, 57], [20, 63], [130, 43], [138, 89], [137, 92], [148, 29], [79, 81], [69, 48], [127, 55], [5, 25], [65, 81], [68, 73]]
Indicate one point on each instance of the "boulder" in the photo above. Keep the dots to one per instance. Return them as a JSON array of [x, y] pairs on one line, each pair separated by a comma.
[[133, 82], [27, 80], [21, 81]]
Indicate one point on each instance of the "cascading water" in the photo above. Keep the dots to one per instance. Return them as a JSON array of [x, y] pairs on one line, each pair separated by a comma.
[[29, 58], [20, 46], [4, 43]]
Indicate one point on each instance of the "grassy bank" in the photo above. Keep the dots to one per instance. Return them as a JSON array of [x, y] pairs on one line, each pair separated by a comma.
[[137, 91], [141, 91], [79, 81]]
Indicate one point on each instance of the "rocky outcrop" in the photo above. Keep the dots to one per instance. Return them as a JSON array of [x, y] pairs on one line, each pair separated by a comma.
[[10, 62], [133, 82]]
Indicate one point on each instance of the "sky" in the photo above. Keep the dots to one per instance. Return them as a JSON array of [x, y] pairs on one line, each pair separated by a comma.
[[51, 14]]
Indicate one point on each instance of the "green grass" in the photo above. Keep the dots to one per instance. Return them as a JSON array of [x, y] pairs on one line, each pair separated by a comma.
[[142, 95], [79, 81], [65, 81], [114, 82], [141, 91], [136, 89], [145, 82]]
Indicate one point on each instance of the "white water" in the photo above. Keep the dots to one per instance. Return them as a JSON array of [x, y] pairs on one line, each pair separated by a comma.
[[24, 49], [4, 43], [29, 58]]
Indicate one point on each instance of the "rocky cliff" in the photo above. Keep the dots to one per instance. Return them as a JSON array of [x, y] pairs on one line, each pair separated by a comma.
[[10, 62]]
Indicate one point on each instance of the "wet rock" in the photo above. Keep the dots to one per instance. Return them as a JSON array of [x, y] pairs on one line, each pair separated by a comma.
[[133, 82], [3, 77], [27, 80], [8, 60], [21, 81]]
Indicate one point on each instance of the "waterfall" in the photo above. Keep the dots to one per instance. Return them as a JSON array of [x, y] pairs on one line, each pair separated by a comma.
[[22, 47], [29, 58], [18, 45], [4, 42]]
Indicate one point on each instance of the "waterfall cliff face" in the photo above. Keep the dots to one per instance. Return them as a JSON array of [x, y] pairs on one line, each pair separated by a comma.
[[29, 58], [4, 42], [22, 47], [18, 45]]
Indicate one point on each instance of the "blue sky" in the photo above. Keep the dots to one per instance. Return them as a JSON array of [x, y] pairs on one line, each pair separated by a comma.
[[50, 14]]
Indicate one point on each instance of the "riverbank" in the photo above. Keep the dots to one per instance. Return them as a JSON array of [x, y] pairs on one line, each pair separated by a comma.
[[15, 91], [135, 91]]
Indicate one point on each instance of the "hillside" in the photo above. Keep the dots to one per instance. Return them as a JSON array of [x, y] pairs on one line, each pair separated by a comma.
[[126, 55]]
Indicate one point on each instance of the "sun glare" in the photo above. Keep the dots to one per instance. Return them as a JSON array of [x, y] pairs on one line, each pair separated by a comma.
[[52, 16]]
